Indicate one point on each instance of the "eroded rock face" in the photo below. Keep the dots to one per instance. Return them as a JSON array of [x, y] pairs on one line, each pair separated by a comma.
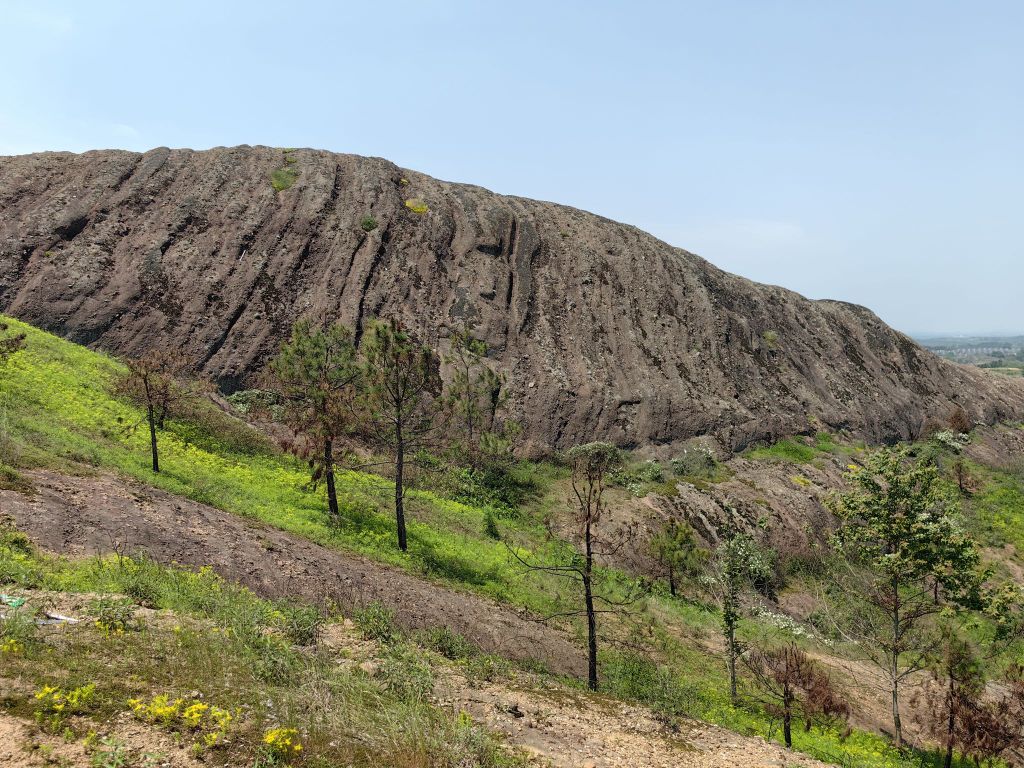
[[603, 330]]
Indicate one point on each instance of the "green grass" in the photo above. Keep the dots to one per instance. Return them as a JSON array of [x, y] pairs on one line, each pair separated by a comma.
[[997, 508], [795, 450], [788, 450]]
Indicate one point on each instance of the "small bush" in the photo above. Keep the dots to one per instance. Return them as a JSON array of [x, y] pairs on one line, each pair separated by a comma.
[[491, 526], [637, 479], [417, 206], [19, 633], [485, 668], [114, 616], [12, 480], [283, 178], [281, 745], [368, 223], [788, 450], [377, 622], [407, 674], [301, 624], [449, 644], [273, 659], [632, 676]]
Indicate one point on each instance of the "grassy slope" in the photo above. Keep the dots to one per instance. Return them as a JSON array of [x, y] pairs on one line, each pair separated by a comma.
[[225, 647], [55, 411]]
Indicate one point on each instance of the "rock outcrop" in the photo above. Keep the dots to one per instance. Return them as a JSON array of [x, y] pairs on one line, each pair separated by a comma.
[[603, 330]]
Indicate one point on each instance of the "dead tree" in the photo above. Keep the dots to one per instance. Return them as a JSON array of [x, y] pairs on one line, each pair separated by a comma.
[[794, 685], [591, 464]]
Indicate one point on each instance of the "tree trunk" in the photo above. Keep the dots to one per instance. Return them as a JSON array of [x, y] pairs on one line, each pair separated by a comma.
[[787, 722], [950, 724], [332, 491], [672, 581], [151, 416], [403, 543], [588, 592], [730, 634], [897, 724]]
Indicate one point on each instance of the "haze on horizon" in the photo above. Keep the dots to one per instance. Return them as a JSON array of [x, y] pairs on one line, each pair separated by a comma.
[[869, 152]]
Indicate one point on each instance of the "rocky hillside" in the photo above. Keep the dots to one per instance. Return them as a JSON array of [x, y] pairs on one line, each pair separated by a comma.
[[603, 330]]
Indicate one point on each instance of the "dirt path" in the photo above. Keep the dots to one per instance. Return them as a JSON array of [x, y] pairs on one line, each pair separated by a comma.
[[90, 515], [571, 729]]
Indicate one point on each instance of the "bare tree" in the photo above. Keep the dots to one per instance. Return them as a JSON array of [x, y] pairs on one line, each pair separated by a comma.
[[591, 464], [400, 386], [795, 686], [156, 383]]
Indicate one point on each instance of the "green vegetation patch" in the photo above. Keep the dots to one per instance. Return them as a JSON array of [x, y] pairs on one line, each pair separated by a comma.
[[283, 178], [417, 206]]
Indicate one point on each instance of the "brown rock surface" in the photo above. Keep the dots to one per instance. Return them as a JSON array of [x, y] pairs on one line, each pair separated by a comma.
[[604, 330]]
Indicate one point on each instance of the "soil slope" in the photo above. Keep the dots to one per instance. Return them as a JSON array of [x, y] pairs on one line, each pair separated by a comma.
[[103, 514], [603, 330]]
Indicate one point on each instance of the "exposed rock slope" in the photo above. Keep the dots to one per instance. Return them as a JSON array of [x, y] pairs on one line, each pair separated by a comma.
[[604, 330]]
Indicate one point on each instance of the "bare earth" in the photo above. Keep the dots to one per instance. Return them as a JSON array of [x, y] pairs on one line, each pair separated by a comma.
[[101, 514]]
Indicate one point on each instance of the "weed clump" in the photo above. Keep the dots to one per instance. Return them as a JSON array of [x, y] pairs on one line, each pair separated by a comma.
[[55, 704], [283, 178], [377, 622], [208, 724]]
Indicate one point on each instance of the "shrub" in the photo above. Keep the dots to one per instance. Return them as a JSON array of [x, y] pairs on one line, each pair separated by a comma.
[[637, 479], [281, 745], [491, 526], [632, 676], [114, 616], [407, 674], [449, 644], [696, 461], [485, 668], [416, 205], [283, 178], [19, 632], [788, 450], [377, 622], [368, 223], [273, 659], [301, 624]]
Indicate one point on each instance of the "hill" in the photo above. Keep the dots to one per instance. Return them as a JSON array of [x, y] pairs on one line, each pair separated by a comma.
[[603, 330]]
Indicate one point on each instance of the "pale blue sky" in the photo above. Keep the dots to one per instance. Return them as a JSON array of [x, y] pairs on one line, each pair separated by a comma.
[[868, 151]]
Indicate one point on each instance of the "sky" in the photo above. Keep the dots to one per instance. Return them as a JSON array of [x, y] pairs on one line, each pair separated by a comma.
[[866, 151]]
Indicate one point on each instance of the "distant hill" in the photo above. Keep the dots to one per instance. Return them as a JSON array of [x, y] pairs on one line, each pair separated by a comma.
[[602, 330]]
